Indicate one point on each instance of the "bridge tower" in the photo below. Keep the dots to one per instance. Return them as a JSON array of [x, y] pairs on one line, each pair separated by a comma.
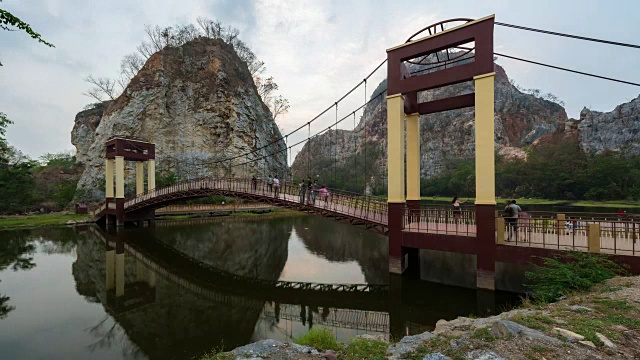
[[117, 151], [442, 58]]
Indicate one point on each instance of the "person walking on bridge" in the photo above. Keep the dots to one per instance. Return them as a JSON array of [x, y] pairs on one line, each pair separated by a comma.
[[303, 191], [254, 183], [269, 184], [309, 189], [511, 217], [314, 191], [457, 209], [324, 194], [276, 186]]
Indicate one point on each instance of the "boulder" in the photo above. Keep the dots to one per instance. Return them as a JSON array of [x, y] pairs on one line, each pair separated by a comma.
[[506, 328], [569, 335], [483, 355], [605, 340], [407, 345], [436, 356]]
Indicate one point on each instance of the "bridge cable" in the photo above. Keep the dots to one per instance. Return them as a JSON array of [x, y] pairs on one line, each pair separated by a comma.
[[567, 69], [364, 183], [309, 150], [568, 35], [355, 155], [335, 149]]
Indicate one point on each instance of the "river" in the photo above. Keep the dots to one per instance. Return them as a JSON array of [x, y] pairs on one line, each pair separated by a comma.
[[184, 288]]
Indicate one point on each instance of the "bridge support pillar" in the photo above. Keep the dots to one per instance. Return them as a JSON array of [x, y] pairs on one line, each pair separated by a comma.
[[119, 190], [396, 181], [139, 177], [413, 161], [485, 180], [151, 174]]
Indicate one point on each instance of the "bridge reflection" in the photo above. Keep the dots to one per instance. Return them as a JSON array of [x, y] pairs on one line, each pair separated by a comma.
[[168, 303]]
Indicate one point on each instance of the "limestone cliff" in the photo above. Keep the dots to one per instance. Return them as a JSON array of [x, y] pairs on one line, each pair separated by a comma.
[[618, 130], [520, 119], [198, 104]]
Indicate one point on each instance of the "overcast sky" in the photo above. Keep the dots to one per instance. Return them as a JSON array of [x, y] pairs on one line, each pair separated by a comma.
[[316, 51]]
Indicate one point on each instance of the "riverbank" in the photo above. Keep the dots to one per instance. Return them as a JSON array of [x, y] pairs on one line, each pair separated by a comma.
[[63, 218], [602, 323]]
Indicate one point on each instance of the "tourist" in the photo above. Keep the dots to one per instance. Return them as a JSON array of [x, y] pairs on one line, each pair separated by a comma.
[[457, 209], [324, 194], [309, 189], [314, 191], [511, 217], [303, 191], [276, 186], [269, 184], [254, 183]]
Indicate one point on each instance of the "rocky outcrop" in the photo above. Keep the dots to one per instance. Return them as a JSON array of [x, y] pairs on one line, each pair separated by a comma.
[[520, 119], [618, 130], [198, 104]]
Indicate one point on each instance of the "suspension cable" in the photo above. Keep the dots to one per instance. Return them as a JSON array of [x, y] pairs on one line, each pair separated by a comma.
[[568, 35], [567, 69]]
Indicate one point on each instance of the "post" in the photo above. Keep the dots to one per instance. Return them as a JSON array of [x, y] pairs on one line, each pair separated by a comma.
[[396, 181], [139, 177], [560, 218], [413, 162], [500, 229], [485, 180], [108, 176], [594, 238], [119, 190], [151, 174]]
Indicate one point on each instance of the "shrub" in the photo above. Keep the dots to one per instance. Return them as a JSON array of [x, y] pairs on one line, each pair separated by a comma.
[[574, 271], [319, 338], [360, 348]]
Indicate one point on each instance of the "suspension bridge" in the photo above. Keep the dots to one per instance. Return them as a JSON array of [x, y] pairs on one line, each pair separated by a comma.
[[443, 54]]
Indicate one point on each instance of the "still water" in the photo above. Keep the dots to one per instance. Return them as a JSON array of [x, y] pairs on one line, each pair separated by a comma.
[[180, 289]]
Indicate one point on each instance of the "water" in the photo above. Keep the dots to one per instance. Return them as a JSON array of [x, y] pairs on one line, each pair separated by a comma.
[[181, 289]]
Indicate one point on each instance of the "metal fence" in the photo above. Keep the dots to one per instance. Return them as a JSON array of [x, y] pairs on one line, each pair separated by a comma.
[[440, 220]]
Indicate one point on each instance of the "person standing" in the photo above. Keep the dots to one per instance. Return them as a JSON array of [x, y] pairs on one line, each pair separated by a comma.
[[511, 217], [303, 191], [309, 189], [457, 209], [254, 183], [324, 194], [314, 191], [269, 184], [276, 186]]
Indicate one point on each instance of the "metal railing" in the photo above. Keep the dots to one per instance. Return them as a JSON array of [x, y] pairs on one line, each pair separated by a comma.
[[336, 201], [611, 235], [440, 220], [211, 207]]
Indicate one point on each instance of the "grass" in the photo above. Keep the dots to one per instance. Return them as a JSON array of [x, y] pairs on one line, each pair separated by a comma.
[[321, 339], [366, 349], [442, 345], [534, 321], [218, 356], [40, 220], [483, 334]]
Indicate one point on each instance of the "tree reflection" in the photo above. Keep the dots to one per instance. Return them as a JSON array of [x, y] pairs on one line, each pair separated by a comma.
[[16, 253]]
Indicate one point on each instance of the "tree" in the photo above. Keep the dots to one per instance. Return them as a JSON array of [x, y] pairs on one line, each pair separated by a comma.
[[10, 22], [280, 106], [4, 147], [102, 86]]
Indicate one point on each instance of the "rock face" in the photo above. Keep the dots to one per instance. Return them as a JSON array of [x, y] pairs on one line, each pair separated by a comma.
[[618, 130], [520, 119], [198, 104]]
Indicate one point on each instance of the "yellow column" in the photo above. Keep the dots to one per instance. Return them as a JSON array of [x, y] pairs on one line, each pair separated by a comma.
[[395, 148], [110, 259], [151, 173], [413, 157], [593, 237], [108, 176], [119, 274], [139, 177], [485, 148], [119, 177]]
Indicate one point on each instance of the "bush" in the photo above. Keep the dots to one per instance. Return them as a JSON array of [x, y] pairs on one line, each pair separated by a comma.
[[360, 348], [574, 271], [319, 338]]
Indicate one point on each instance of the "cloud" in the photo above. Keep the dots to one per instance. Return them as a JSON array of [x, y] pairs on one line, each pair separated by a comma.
[[315, 50]]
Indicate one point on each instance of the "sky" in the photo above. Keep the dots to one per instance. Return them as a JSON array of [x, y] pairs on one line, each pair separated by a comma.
[[315, 50]]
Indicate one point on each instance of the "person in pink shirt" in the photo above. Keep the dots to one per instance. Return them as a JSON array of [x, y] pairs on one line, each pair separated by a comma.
[[324, 193]]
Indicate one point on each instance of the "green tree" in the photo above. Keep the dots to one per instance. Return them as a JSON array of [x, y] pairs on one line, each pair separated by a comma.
[[10, 22]]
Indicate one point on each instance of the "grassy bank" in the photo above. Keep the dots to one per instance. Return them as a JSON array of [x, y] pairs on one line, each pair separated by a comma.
[[41, 220]]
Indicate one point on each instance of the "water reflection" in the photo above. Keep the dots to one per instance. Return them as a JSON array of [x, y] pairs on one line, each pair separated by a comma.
[[155, 292]]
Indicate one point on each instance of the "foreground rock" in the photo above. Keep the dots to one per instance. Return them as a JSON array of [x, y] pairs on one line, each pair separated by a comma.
[[197, 103]]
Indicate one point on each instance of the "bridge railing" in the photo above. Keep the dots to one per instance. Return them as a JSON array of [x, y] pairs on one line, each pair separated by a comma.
[[440, 220], [337, 201], [612, 235]]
